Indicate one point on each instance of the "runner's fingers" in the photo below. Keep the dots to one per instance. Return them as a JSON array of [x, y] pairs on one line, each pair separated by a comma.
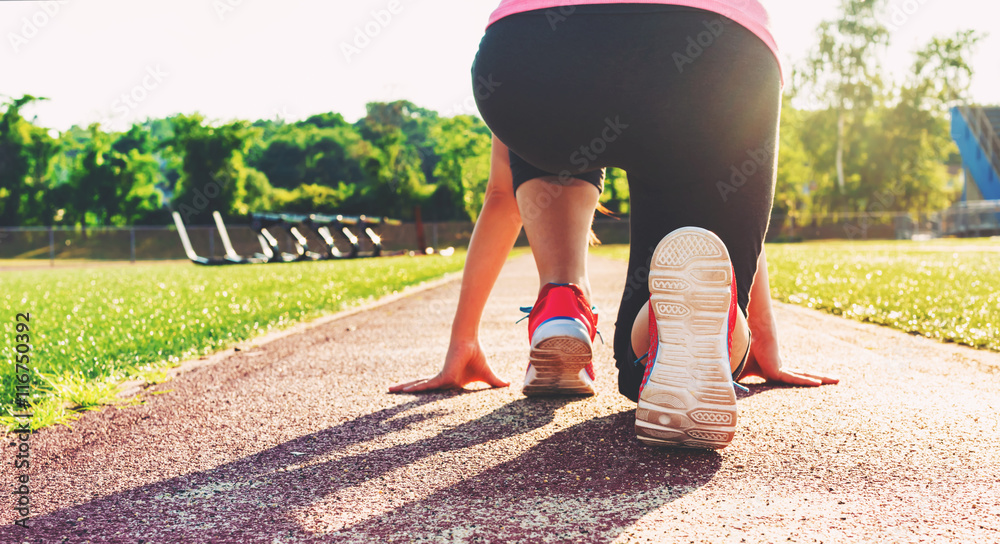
[[790, 376], [422, 385], [823, 379], [426, 385], [401, 386]]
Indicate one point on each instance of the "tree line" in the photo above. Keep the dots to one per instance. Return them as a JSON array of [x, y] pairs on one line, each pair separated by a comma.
[[397, 157], [866, 143], [851, 141]]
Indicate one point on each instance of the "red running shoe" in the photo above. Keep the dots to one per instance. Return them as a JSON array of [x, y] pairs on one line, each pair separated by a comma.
[[686, 397], [561, 329]]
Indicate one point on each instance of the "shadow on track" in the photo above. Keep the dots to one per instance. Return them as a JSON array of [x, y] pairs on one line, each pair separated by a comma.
[[588, 482]]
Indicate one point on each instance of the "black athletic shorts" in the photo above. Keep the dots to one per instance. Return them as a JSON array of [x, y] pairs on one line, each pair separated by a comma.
[[684, 100]]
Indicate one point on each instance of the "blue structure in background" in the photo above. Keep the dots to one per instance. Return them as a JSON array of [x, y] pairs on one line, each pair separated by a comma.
[[975, 131]]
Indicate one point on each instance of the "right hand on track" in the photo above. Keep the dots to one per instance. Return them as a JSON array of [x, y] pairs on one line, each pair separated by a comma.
[[464, 364]]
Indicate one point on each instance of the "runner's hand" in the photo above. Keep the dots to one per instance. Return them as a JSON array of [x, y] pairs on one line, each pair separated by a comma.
[[764, 361], [464, 364]]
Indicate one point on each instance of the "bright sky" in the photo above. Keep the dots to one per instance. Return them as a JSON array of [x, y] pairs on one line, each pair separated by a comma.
[[255, 59]]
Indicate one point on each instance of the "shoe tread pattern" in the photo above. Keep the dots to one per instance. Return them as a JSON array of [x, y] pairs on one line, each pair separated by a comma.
[[559, 364], [689, 399]]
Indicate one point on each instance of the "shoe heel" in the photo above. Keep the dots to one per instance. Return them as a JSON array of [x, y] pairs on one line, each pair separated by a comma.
[[688, 400], [560, 353]]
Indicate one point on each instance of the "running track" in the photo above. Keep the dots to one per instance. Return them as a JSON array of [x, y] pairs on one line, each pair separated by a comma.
[[295, 440]]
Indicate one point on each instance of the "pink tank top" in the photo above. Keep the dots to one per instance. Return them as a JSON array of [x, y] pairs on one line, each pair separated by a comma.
[[749, 14]]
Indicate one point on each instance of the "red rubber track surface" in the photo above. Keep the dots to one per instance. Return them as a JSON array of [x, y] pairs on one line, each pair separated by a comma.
[[296, 440]]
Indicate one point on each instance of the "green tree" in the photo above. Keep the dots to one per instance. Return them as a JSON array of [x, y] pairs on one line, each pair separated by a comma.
[[23, 158], [214, 175], [615, 196], [325, 120], [463, 145], [893, 155], [312, 198], [843, 71], [795, 177], [38, 208], [304, 153], [916, 127], [941, 72], [394, 181], [161, 137], [415, 122], [114, 181]]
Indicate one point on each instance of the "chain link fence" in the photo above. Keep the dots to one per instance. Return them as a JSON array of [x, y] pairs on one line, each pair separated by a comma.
[[966, 219], [162, 243]]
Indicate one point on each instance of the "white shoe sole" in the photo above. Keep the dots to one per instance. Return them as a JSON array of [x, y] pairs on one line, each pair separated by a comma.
[[689, 399], [560, 352]]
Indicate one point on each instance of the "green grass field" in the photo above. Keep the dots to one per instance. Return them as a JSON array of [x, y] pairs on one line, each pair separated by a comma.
[[943, 289], [946, 290], [92, 328]]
